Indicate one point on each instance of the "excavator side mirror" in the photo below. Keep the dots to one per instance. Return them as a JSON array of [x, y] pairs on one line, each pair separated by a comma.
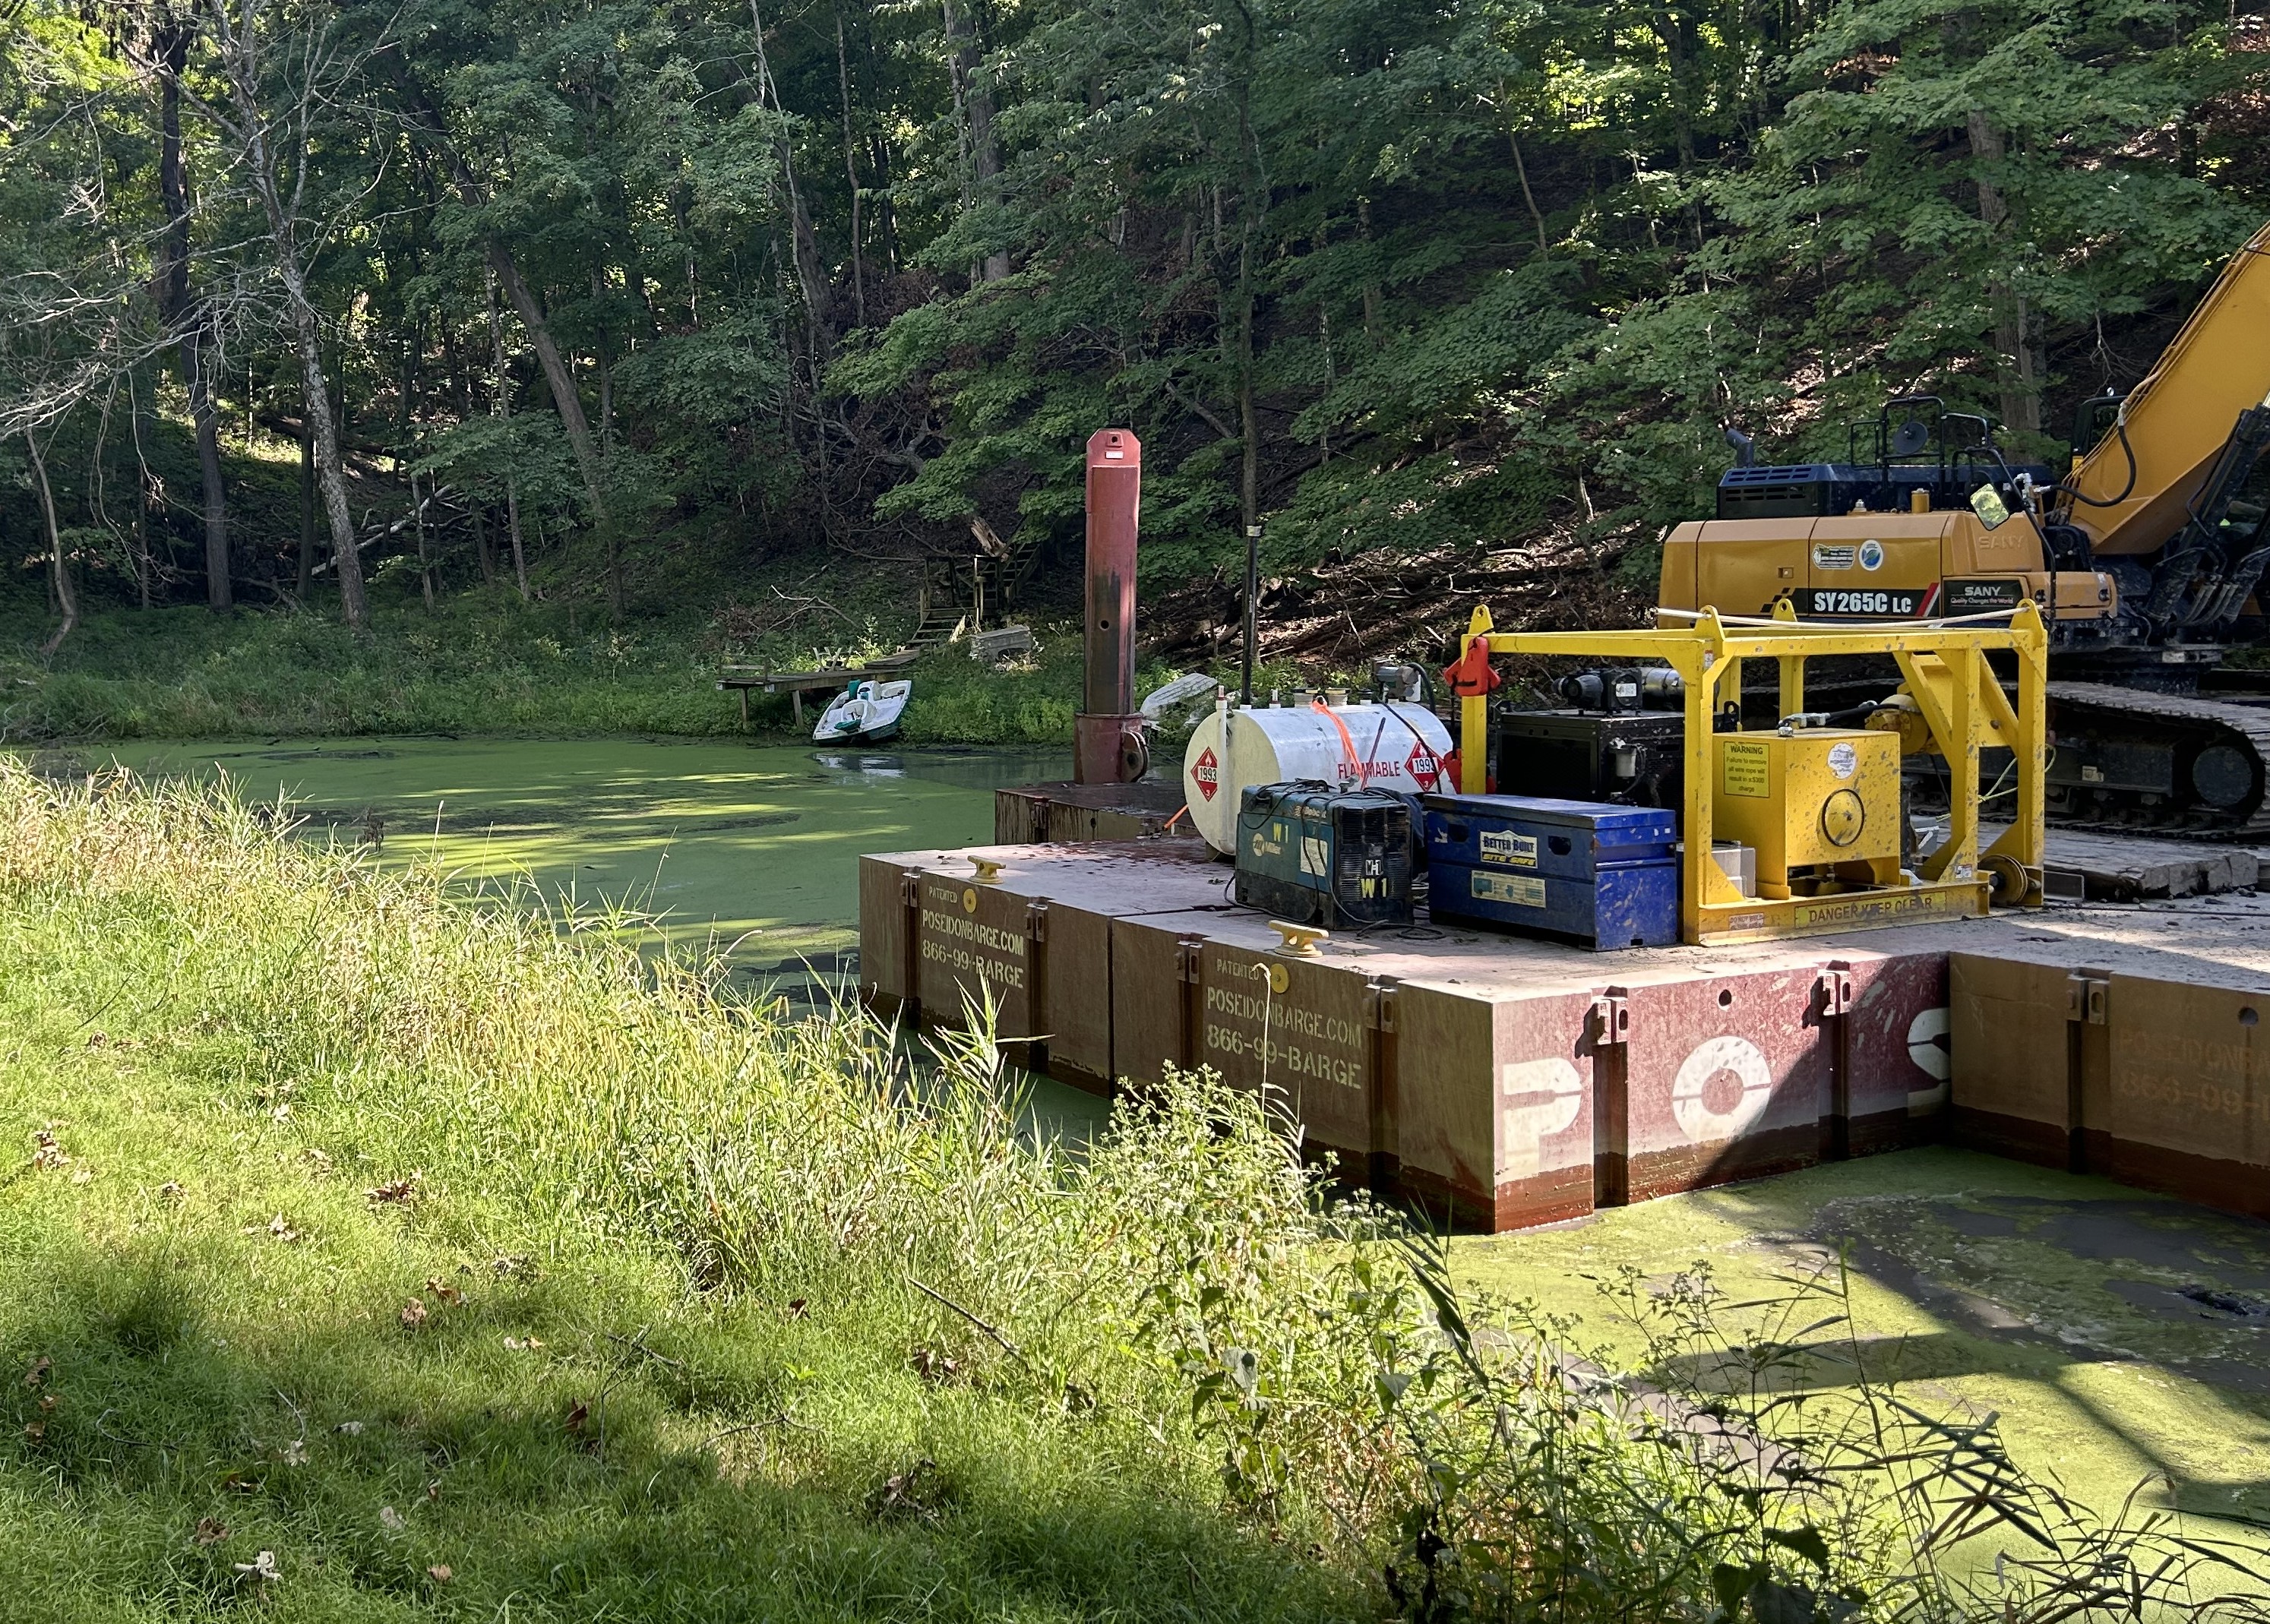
[[1987, 503]]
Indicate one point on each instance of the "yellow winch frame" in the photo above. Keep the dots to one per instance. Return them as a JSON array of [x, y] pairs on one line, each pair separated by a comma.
[[1956, 696]]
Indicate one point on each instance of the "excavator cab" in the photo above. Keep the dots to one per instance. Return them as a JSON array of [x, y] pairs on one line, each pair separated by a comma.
[[1915, 455]]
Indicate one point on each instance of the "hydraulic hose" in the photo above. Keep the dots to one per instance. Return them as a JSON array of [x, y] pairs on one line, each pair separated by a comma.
[[2119, 427]]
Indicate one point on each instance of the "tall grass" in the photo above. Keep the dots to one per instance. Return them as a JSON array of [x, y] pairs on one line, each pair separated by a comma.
[[762, 1318]]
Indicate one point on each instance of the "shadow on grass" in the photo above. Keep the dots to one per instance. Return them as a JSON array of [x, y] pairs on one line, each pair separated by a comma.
[[158, 1445]]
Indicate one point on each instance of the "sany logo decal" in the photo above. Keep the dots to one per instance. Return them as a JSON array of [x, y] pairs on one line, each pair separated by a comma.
[[1423, 766], [1205, 772]]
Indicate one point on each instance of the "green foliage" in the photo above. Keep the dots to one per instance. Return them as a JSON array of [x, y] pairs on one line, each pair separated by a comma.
[[466, 1266], [957, 701], [1420, 281], [485, 665]]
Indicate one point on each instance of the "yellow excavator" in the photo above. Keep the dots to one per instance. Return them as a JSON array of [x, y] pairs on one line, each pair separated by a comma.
[[2147, 557]]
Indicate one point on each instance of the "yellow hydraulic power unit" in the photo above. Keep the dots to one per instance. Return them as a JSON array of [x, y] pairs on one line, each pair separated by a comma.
[[1819, 807], [1824, 798]]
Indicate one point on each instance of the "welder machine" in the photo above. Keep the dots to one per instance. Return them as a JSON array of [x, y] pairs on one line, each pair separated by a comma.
[[1309, 854]]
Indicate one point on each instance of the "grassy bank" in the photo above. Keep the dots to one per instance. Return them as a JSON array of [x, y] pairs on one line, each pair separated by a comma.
[[484, 664], [374, 1256], [460, 1267]]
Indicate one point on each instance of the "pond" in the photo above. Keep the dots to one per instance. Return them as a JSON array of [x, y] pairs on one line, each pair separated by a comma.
[[750, 849]]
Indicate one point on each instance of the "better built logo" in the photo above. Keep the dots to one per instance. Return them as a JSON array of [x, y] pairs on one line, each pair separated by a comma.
[[1205, 772]]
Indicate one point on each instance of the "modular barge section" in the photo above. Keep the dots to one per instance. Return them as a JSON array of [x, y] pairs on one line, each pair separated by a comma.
[[1505, 1082]]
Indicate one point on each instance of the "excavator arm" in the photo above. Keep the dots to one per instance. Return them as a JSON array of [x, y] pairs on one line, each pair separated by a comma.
[[2179, 418]]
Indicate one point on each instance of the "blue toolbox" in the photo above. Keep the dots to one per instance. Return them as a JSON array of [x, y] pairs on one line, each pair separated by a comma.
[[1582, 871]]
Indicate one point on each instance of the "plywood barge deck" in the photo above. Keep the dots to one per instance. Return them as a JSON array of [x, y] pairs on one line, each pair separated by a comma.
[[1505, 1082]]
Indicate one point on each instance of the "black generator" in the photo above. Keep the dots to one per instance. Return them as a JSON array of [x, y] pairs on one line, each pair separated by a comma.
[[1618, 738], [1632, 759], [1309, 854]]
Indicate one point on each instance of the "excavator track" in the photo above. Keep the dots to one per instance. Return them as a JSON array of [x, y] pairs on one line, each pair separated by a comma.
[[2135, 762]]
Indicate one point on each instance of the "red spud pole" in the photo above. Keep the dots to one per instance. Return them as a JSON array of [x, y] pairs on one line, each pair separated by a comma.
[[1109, 746]]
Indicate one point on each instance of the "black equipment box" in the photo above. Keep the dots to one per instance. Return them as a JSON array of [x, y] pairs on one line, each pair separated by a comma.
[[1309, 854], [1633, 757]]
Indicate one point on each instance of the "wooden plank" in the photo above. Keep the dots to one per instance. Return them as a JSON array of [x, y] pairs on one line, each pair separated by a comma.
[[835, 677]]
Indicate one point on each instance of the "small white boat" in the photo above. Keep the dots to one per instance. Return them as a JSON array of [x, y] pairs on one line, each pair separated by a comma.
[[867, 711]]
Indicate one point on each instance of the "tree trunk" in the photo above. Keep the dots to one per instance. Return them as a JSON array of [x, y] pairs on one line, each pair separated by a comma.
[[562, 382], [886, 227], [483, 555], [182, 315], [330, 471], [1370, 282], [1521, 170], [146, 493], [2021, 401], [803, 248], [968, 55], [425, 558], [307, 505], [66, 595], [258, 161], [218, 593], [852, 173], [504, 414], [453, 359], [512, 521]]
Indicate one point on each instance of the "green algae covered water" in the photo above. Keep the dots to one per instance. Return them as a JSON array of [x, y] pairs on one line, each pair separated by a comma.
[[752, 849]]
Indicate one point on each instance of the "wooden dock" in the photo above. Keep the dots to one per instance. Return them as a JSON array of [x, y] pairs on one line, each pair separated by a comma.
[[795, 684]]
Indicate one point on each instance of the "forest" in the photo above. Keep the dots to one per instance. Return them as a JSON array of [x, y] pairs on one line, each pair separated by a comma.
[[660, 304]]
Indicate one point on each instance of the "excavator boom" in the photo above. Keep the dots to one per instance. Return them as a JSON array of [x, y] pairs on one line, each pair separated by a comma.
[[2178, 419]]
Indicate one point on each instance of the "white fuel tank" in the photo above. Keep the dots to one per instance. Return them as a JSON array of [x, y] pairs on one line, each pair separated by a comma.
[[1394, 746]]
